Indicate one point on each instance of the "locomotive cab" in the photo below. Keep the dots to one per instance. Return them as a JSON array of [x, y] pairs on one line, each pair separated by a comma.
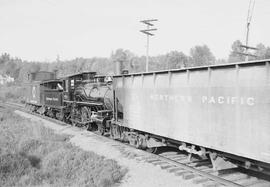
[[72, 82], [52, 98]]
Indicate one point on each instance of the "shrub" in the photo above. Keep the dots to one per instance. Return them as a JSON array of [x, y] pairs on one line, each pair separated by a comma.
[[32, 155], [12, 168]]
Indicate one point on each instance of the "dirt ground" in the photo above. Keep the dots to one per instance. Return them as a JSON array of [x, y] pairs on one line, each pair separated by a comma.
[[140, 173]]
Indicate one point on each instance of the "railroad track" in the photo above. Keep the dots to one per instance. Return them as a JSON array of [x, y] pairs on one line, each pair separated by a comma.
[[197, 171]]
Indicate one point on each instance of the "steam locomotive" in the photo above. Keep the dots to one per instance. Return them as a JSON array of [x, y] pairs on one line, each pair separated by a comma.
[[78, 99], [218, 111]]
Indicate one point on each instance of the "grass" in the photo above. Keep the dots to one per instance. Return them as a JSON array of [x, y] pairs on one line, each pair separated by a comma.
[[32, 155], [13, 92]]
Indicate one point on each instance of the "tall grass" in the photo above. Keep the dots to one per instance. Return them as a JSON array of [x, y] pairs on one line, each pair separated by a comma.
[[32, 155], [14, 93]]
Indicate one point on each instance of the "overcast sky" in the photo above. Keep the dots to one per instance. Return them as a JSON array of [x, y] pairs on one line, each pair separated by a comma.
[[41, 29]]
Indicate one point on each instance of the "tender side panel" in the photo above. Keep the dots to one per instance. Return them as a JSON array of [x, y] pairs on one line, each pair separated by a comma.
[[53, 98], [224, 108], [33, 93]]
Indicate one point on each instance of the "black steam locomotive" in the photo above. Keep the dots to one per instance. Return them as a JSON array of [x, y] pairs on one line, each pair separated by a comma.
[[83, 99]]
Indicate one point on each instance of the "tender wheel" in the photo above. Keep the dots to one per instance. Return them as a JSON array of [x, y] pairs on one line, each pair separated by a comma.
[[32, 108], [51, 114], [101, 129], [60, 116]]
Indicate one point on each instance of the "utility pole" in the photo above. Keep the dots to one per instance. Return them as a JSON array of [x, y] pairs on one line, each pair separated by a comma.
[[148, 33], [249, 17]]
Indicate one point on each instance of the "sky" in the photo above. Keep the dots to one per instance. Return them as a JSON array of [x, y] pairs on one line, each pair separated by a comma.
[[39, 30]]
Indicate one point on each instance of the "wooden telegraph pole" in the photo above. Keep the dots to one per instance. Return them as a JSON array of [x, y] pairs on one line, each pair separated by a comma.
[[249, 17], [148, 33]]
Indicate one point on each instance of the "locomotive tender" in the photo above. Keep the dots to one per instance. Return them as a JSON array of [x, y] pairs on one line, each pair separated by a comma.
[[219, 110], [35, 92]]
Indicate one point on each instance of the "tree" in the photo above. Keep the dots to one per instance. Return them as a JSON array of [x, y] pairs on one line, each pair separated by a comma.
[[262, 52], [201, 55], [5, 57], [175, 60], [102, 66], [221, 61], [158, 63], [137, 64], [235, 55], [123, 56], [267, 53]]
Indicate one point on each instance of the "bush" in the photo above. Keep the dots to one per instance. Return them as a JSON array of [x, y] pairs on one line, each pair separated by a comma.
[[14, 93], [12, 168], [32, 155]]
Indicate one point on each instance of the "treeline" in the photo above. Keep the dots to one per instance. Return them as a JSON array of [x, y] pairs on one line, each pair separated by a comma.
[[198, 56]]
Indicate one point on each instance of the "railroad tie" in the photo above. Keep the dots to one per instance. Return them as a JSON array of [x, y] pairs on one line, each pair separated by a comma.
[[200, 180], [211, 183], [188, 176], [260, 183], [181, 173], [247, 181], [175, 169]]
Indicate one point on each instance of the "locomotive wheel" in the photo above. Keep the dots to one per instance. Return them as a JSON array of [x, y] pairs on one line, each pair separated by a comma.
[[72, 119], [85, 115], [73, 114]]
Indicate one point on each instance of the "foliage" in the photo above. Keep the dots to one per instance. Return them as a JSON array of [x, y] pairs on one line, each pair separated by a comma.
[[32, 155], [15, 93], [262, 52], [235, 55], [176, 60], [199, 56]]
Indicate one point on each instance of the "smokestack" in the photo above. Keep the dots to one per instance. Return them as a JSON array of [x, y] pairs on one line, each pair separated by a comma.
[[118, 67], [55, 73]]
